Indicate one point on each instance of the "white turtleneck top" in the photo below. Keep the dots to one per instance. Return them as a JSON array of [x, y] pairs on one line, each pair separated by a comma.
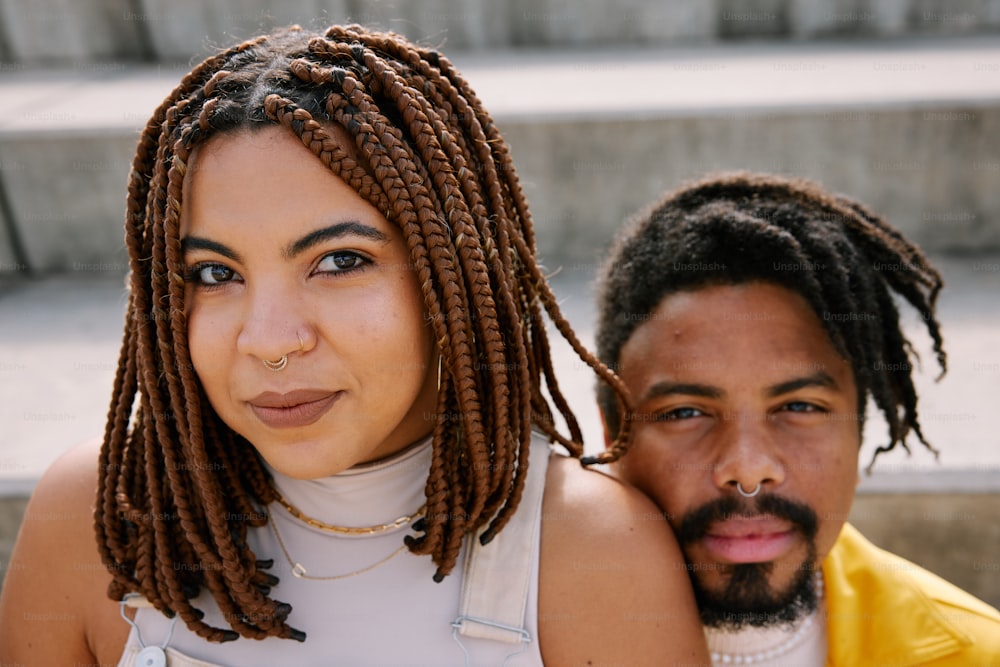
[[393, 614]]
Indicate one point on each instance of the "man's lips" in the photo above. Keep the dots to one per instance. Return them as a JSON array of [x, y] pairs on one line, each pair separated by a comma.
[[292, 409], [749, 540]]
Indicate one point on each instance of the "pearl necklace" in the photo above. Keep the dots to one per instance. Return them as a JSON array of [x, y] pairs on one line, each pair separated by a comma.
[[720, 658]]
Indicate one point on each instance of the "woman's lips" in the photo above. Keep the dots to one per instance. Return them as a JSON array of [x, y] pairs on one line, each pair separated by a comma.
[[301, 407], [749, 540]]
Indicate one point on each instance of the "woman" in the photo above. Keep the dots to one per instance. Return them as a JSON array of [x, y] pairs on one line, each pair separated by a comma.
[[321, 424]]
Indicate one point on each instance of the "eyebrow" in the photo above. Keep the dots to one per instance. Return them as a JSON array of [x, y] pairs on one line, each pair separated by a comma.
[[339, 230], [189, 243], [818, 379], [681, 388], [336, 231]]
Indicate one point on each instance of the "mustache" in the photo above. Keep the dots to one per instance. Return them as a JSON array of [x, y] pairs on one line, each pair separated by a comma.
[[696, 523]]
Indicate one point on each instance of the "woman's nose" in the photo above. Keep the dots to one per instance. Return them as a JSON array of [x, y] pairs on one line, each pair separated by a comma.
[[276, 324]]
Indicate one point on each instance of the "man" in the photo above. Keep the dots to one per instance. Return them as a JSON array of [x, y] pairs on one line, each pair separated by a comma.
[[752, 317]]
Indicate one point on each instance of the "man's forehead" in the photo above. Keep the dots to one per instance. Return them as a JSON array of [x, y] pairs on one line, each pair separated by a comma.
[[700, 336]]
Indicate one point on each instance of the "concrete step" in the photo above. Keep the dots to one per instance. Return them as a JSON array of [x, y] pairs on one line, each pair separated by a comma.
[[911, 128], [60, 337], [953, 535], [79, 32], [59, 341]]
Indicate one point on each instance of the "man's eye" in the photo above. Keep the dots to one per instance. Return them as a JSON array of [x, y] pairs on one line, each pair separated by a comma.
[[678, 413], [341, 261], [801, 406]]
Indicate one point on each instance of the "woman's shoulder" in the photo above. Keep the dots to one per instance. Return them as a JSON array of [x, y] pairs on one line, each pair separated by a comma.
[[607, 503], [62, 502], [56, 585], [610, 561]]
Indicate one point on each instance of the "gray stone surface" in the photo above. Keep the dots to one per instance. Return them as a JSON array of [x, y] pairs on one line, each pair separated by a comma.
[[912, 129], [752, 19], [563, 23], [71, 32], [800, 19], [954, 16], [81, 32], [59, 340], [448, 24], [5, 54], [68, 203], [847, 17], [952, 535], [10, 265], [956, 536], [931, 171], [11, 514], [186, 30], [60, 337]]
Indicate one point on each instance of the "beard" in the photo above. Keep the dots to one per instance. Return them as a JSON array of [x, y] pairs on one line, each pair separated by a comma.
[[747, 599]]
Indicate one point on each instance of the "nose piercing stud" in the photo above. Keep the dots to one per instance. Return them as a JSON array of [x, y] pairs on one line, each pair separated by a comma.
[[739, 486], [276, 365]]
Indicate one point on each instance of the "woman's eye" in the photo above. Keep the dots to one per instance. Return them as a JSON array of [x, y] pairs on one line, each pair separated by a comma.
[[341, 261], [211, 274], [679, 413]]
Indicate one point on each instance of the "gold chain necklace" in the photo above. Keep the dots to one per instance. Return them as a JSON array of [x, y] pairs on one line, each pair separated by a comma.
[[348, 530], [299, 571]]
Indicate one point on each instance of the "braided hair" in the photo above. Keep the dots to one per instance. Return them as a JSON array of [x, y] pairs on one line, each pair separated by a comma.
[[842, 258], [178, 488]]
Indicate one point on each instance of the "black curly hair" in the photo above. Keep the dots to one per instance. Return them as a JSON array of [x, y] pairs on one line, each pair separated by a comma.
[[845, 260]]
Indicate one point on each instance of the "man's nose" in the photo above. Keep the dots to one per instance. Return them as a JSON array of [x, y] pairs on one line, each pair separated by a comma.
[[748, 459]]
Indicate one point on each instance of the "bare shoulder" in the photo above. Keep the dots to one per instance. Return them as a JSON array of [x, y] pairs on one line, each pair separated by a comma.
[[56, 582], [614, 589], [599, 514], [601, 496]]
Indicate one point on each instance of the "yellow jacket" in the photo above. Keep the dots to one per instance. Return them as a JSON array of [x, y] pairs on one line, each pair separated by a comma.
[[885, 611]]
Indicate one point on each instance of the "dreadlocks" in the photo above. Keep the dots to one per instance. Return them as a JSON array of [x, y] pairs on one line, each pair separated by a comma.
[[842, 258], [178, 489]]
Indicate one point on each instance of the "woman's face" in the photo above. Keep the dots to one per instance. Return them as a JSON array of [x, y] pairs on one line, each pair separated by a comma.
[[284, 258]]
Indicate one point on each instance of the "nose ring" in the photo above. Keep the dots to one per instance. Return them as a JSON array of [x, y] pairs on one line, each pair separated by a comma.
[[276, 365], [739, 486]]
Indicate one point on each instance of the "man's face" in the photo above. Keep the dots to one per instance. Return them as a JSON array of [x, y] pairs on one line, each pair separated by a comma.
[[735, 387]]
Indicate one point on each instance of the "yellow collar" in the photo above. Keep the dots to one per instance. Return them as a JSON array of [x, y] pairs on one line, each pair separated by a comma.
[[884, 610]]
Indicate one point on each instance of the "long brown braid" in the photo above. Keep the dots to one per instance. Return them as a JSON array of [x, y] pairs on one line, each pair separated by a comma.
[[845, 260], [178, 489]]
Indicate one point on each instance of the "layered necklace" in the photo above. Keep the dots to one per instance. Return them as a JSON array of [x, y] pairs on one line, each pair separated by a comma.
[[300, 571]]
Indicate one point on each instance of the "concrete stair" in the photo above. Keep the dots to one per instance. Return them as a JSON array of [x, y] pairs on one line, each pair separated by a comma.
[[78, 32], [910, 125], [912, 128], [60, 335]]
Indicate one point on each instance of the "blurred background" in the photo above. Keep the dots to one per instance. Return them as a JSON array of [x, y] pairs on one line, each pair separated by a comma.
[[605, 106]]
